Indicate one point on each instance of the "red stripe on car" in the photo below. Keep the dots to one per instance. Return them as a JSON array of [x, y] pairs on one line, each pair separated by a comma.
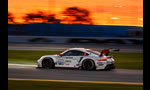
[[102, 59]]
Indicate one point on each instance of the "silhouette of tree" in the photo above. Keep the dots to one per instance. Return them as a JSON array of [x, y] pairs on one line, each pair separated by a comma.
[[51, 19], [10, 18], [32, 17], [75, 15], [41, 17]]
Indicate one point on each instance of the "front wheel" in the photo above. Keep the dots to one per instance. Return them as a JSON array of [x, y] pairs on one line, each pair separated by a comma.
[[47, 63], [88, 65]]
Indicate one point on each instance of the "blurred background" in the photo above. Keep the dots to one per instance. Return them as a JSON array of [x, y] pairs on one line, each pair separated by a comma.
[[98, 22]]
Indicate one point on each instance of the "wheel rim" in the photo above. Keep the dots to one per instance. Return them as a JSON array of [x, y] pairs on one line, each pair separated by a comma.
[[88, 65], [47, 64]]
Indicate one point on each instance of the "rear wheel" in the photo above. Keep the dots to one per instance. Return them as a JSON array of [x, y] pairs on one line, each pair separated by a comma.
[[47, 63], [88, 65]]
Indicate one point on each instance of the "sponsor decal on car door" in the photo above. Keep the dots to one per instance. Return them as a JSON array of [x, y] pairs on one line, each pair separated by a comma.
[[65, 61], [70, 61]]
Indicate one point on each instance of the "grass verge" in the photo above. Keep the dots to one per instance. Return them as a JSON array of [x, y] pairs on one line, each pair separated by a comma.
[[44, 85], [122, 60]]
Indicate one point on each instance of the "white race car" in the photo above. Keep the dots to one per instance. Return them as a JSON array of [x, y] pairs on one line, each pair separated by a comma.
[[80, 58]]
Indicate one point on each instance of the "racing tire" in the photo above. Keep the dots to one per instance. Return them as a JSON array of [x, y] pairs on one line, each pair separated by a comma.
[[88, 65], [47, 63]]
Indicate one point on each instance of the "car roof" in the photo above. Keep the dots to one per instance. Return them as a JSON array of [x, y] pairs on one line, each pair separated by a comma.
[[79, 49]]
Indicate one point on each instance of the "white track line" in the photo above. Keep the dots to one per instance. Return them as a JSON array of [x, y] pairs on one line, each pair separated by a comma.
[[21, 65]]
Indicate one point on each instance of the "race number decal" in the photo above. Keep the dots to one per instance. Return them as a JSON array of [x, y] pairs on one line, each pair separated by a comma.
[[61, 62]]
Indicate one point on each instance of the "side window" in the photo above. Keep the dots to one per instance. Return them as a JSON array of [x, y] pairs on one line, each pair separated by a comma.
[[79, 53], [69, 53], [74, 53]]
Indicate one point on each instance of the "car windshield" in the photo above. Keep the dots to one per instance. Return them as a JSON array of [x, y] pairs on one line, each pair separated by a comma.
[[94, 52]]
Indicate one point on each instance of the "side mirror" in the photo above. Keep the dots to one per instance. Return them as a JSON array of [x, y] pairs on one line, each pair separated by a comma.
[[60, 54]]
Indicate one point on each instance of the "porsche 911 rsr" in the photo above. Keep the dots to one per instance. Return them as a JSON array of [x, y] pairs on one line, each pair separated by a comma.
[[81, 58]]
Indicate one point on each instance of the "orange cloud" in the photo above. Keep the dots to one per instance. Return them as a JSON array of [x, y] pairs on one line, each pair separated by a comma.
[[128, 12]]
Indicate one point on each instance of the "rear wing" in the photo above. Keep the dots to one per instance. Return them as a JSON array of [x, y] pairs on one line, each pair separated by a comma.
[[107, 51]]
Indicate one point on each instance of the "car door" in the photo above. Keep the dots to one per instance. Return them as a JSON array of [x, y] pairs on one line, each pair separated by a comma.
[[70, 59]]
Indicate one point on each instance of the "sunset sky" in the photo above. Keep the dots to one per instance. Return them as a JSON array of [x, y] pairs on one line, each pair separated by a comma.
[[103, 12]]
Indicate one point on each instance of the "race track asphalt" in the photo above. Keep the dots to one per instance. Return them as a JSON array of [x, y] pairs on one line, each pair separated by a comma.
[[116, 75]]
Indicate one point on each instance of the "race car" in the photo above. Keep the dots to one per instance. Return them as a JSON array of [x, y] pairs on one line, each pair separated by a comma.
[[81, 58]]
